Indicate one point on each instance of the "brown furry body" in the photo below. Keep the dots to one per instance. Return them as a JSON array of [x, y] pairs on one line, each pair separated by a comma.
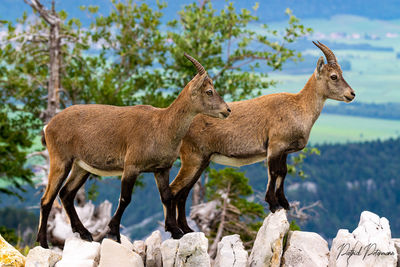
[[109, 140]]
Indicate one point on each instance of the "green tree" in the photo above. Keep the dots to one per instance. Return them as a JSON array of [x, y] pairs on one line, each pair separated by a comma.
[[14, 140], [123, 72], [238, 215], [230, 47]]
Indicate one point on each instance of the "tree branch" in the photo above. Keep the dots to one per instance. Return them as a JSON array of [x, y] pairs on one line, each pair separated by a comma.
[[44, 13]]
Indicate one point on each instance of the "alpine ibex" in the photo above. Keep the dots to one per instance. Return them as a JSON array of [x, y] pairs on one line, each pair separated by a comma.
[[109, 140], [268, 127]]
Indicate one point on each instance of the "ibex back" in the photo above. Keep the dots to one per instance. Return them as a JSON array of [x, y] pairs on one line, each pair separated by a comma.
[[268, 127], [109, 140]]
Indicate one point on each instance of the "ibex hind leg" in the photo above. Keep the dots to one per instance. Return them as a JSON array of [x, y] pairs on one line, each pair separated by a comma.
[[162, 180], [58, 173], [68, 192], [187, 177]]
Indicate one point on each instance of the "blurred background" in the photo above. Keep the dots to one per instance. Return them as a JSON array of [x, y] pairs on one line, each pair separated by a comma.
[[130, 52]]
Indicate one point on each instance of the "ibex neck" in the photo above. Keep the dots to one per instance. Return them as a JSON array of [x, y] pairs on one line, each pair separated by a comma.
[[311, 99], [178, 117]]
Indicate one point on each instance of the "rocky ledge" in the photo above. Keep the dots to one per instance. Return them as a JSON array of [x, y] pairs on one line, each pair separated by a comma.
[[370, 244]]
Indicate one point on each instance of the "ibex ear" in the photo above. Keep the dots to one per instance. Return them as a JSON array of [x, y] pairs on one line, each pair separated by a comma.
[[320, 66], [197, 82]]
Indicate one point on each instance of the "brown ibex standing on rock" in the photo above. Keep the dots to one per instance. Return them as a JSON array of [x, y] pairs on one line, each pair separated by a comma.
[[109, 140], [268, 127]]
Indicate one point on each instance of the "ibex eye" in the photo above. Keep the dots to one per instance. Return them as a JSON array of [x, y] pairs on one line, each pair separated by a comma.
[[333, 77], [209, 92]]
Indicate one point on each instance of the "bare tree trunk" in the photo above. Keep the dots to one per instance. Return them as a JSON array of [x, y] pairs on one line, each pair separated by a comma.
[[53, 87], [53, 100], [196, 193], [213, 248]]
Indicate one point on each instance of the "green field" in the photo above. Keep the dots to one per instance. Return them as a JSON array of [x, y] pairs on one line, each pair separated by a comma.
[[342, 129], [374, 75]]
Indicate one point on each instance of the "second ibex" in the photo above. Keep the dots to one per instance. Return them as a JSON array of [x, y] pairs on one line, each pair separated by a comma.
[[268, 127]]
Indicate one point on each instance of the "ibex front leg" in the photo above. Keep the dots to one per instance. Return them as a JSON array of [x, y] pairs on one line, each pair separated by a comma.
[[276, 174], [280, 193], [127, 182], [162, 180]]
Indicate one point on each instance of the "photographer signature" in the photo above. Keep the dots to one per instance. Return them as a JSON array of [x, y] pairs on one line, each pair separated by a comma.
[[359, 250]]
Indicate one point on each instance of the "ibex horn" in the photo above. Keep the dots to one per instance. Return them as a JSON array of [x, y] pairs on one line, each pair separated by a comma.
[[330, 57], [199, 67]]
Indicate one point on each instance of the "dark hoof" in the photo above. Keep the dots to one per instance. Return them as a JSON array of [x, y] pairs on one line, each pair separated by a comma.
[[43, 244], [42, 241], [86, 236], [115, 237], [284, 203], [273, 208], [187, 229], [176, 234]]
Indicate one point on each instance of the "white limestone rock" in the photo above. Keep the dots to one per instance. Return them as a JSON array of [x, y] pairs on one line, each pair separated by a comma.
[[268, 246], [126, 242], [231, 252], [42, 257], [139, 247], [169, 252], [369, 245], [116, 254], [9, 256], [192, 251], [305, 249], [79, 253], [153, 250]]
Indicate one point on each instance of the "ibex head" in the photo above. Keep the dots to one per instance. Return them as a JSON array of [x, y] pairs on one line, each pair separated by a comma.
[[206, 99], [330, 78]]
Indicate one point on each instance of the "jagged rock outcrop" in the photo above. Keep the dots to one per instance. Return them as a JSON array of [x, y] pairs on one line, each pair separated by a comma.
[[189, 251], [370, 244], [126, 242], [305, 249], [79, 253], [169, 252], [140, 248], [268, 246], [95, 219], [153, 250], [9, 256], [192, 251], [116, 254], [231, 252], [42, 257]]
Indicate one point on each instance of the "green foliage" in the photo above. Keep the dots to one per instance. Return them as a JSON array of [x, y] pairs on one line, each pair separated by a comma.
[[92, 192], [9, 235], [14, 140], [293, 226], [228, 48], [18, 225], [131, 45], [295, 168]]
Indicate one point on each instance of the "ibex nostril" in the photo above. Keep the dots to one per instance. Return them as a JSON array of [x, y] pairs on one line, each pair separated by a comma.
[[353, 94], [229, 110]]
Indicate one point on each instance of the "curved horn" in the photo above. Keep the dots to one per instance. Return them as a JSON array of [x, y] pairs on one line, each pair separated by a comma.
[[330, 57], [199, 67]]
